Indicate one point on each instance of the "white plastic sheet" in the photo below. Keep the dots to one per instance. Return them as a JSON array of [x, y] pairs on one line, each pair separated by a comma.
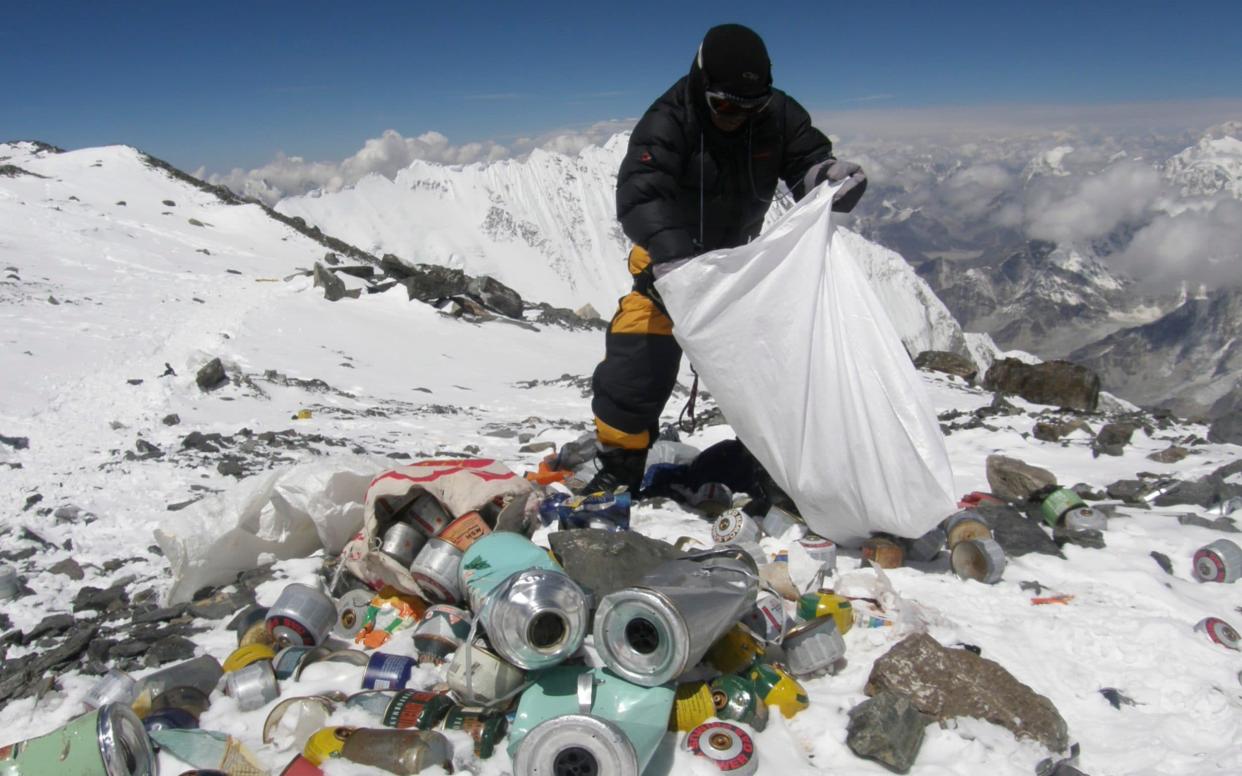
[[795, 346]]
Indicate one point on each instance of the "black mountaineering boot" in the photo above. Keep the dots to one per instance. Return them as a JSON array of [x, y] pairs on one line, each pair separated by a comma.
[[618, 467]]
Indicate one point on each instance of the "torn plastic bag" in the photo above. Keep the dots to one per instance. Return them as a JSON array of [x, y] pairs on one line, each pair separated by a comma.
[[802, 359]]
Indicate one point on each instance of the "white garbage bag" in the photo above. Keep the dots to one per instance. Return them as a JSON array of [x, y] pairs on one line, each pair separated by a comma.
[[286, 513], [797, 350]]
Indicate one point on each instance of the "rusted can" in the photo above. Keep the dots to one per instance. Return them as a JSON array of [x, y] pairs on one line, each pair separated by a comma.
[[736, 699], [478, 677], [575, 744], [398, 751], [188, 699], [813, 605], [301, 616], [253, 686], [437, 571], [486, 728], [1057, 503], [779, 689], [692, 706], [735, 526], [766, 619], [735, 651], [822, 551], [1220, 632], [244, 656], [116, 686], [9, 583], [402, 542], [250, 625], [108, 741], [326, 743], [1220, 561], [982, 560], [429, 515], [287, 660], [726, 746], [388, 672], [813, 648], [885, 553], [440, 633], [965, 525], [465, 531]]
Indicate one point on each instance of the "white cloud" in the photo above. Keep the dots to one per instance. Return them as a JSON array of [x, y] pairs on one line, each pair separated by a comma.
[[1069, 210], [1196, 246], [973, 191]]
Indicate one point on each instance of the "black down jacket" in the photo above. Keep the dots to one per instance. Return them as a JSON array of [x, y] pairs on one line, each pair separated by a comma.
[[676, 145]]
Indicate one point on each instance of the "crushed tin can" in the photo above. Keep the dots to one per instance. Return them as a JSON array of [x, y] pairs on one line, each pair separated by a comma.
[[965, 525], [766, 619], [388, 672], [653, 632], [253, 687], [825, 604], [821, 550], [108, 741], [388, 612], [441, 631], [726, 746], [291, 723], [116, 686], [1220, 561], [735, 651], [779, 689], [301, 616], [401, 542], [1220, 632], [885, 553], [603, 510], [486, 728], [326, 743], [208, 750], [813, 648], [10, 585], [1084, 518], [777, 523], [735, 526], [736, 699], [465, 530], [572, 744], [478, 677], [244, 656], [203, 673], [403, 708], [250, 625], [692, 706], [1057, 503], [436, 569], [982, 560], [285, 663], [398, 751], [351, 612], [191, 700], [428, 514]]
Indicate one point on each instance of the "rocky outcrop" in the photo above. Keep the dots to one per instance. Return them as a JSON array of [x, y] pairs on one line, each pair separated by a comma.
[[1058, 383]]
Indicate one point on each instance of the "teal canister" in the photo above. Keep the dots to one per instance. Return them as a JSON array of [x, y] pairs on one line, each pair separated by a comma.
[[109, 741]]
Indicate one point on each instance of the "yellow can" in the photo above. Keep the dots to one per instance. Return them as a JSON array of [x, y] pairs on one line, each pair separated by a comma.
[[325, 743], [815, 605], [735, 651], [779, 689], [692, 706], [244, 656], [257, 634]]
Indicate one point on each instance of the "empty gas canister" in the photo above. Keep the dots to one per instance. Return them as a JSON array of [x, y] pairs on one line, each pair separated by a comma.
[[777, 688], [838, 607]]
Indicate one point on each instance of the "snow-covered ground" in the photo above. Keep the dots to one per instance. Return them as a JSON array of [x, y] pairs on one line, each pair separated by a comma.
[[96, 295]]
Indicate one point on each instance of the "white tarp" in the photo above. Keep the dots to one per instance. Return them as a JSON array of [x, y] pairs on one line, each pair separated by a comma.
[[286, 513], [797, 350]]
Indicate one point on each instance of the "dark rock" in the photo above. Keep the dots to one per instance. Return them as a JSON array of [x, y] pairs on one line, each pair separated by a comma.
[[334, 288], [392, 266], [67, 514], [537, 447], [1047, 432], [172, 419], [197, 440], [17, 443], [1222, 524], [147, 451], [604, 561], [361, 271], [999, 406], [31, 500], [1059, 383], [1163, 562], [230, 467], [1088, 493], [1092, 540], [949, 363], [129, 648], [159, 614], [1116, 698], [428, 282], [1015, 533], [52, 625], [211, 375], [1113, 438], [94, 599], [68, 650], [1013, 480], [888, 729], [169, 650], [1227, 429], [70, 568], [1204, 492], [495, 295], [196, 222], [169, 203], [331, 258], [220, 605], [1171, 454], [1129, 491], [946, 683], [14, 556]]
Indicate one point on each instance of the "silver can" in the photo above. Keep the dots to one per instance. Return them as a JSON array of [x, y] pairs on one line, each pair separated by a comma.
[[351, 612], [9, 583], [777, 522], [478, 677], [735, 526], [116, 686], [301, 616], [814, 647], [822, 551], [402, 542], [202, 672], [982, 560], [429, 515], [535, 618], [726, 746], [766, 619], [253, 686], [1085, 519], [1220, 561], [441, 632], [652, 633], [435, 569], [572, 744]]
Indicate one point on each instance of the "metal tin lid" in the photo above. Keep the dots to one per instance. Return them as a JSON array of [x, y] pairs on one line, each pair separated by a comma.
[[123, 743], [575, 745], [640, 635], [535, 618]]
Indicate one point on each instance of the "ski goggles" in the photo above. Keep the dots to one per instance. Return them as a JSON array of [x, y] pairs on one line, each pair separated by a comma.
[[725, 104]]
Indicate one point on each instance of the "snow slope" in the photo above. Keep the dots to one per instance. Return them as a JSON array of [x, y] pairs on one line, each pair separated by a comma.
[[133, 292]]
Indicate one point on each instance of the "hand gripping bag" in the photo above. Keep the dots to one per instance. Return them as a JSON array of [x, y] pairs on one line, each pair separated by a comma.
[[804, 363]]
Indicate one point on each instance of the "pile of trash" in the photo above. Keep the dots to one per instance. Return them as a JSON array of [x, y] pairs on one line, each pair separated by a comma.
[[581, 658]]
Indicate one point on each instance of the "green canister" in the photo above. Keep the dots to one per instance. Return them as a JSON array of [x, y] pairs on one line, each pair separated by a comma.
[[486, 728], [109, 741], [737, 700], [1058, 503], [642, 713]]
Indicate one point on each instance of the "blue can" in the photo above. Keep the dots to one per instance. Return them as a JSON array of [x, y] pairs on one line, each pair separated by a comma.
[[609, 511], [388, 672], [170, 718]]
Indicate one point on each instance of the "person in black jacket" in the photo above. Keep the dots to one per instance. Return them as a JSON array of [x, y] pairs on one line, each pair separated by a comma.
[[700, 173]]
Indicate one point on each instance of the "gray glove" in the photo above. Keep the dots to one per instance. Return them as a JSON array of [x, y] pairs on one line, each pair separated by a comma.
[[851, 177]]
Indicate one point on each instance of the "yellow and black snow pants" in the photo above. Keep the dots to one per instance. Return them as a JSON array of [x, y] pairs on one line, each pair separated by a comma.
[[639, 371]]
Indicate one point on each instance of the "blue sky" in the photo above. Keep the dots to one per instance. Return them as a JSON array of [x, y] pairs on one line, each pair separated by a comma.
[[223, 85]]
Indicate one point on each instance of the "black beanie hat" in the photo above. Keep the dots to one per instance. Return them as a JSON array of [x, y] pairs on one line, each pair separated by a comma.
[[734, 60]]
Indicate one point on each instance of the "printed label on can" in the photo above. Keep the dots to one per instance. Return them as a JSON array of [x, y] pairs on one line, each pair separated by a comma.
[[388, 672], [279, 623], [409, 708], [465, 531], [728, 746]]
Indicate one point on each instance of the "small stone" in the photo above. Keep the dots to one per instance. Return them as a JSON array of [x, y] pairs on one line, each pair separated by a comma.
[[17, 443], [172, 419], [169, 203], [169, 650], [1090, 539], [129, 648], [211, 375], [54, 624], [219, 605], [333, 287], [887, 728], [1112, 439], [1129, 491], [159, 614], [230, 467], [1222, 524], [537, 447], [197, 440], [1163, 562], [94, 599], [70, 568], [1171, 454], [1013, 480]]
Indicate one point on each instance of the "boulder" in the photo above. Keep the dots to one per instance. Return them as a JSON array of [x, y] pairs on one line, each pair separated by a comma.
[[1171, 454], [603, 561], [494, 295], [888, 729], [333, 287], [1113, 438], [1227, 429], [946, 683], [949, 363], [1015, 533], [427, 282], [1013, 480], [1058, 383], [211, 375]]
